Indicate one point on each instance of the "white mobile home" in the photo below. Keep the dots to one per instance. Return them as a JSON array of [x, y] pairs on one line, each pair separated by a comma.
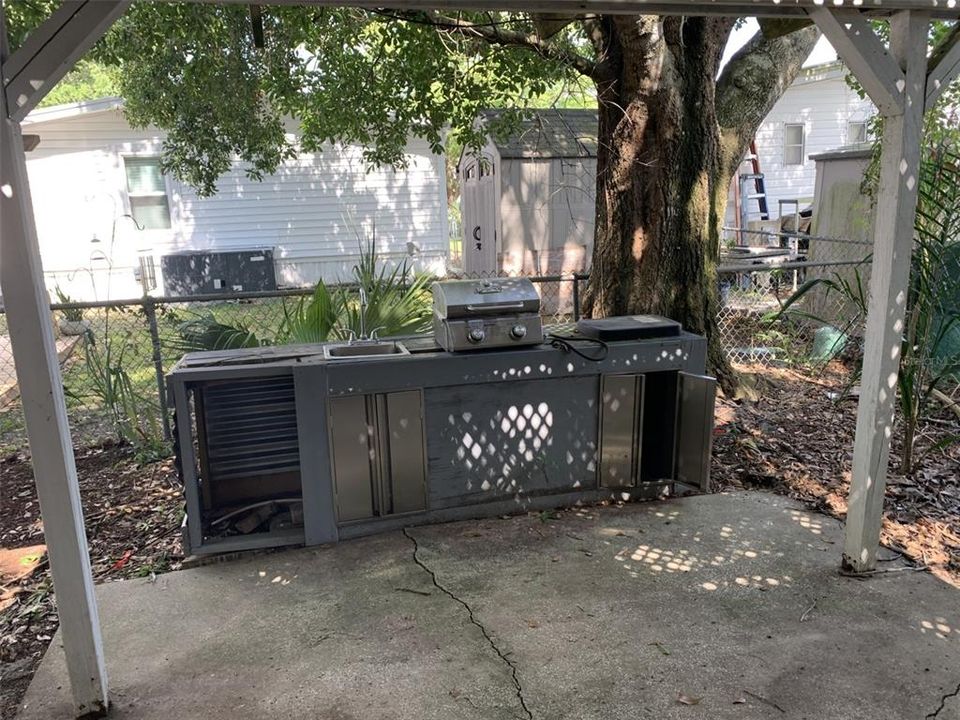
[[818, 112], [107, 218]]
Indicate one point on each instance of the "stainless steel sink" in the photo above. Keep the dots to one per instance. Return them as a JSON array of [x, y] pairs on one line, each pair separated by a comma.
[[364, 350]]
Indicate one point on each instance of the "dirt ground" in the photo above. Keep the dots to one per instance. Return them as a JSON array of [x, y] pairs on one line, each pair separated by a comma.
[[795, 438], [132, 515]]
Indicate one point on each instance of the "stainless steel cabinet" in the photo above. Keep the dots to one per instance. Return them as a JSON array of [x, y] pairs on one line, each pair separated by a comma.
[[696, 397], [656, 428], [621, 426], [351, 443], [379, 462]]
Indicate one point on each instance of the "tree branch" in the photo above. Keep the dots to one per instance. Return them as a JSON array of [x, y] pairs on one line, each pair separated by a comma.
[[752, 82], [495, 34]]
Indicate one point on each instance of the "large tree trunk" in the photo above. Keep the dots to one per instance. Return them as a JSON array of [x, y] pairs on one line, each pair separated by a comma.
[[663, 169]]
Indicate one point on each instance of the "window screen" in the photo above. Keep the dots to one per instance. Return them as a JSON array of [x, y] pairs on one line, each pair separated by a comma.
[[793, 144], [147, 191]]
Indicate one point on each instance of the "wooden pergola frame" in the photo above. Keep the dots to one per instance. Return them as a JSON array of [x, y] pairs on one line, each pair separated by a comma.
[[900, 80]]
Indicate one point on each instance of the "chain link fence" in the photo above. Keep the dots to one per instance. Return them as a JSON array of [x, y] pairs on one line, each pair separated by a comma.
[[772, 310], [114, 356]]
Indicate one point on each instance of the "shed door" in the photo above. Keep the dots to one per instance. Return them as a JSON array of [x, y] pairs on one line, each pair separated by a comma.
[[479, 216]]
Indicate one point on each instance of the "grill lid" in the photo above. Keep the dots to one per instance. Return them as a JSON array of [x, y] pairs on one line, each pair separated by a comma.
[[497, 296]]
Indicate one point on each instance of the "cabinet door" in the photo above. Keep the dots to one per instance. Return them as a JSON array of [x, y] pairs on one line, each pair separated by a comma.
[[406, 468], [696, 396], [621, 413], [352, 450]]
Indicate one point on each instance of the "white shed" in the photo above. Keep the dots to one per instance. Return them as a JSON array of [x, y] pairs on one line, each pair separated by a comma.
[[92, 174], [527, 200]]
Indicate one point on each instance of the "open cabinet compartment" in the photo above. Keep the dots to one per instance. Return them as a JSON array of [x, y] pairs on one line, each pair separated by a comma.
[[246, 485], [656, 429]]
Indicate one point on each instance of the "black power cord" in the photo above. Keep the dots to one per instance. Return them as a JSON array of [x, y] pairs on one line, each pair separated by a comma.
[[568, 344]]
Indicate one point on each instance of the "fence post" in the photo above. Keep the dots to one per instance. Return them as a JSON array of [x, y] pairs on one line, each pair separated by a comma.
[[150, 309], [576, 297]]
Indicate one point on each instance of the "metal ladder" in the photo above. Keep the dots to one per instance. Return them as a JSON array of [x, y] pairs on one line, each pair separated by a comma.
[[759, 192]]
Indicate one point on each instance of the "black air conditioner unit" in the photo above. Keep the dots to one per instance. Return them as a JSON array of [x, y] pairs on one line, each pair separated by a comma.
[[210, 273]]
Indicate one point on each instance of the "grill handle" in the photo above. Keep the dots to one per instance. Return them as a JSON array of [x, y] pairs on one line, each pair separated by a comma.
[[495, 307]]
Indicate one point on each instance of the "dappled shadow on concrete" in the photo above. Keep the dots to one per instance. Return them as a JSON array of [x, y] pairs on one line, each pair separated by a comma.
[[734, 601]]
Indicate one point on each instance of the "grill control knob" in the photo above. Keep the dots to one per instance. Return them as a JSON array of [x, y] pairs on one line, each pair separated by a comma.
[[476, 335], [518, 331]]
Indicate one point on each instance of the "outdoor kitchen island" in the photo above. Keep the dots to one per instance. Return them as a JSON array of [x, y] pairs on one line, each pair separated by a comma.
[[312, 444]]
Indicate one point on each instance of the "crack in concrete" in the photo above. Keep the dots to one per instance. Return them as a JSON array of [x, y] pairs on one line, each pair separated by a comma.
[[473, 619], [943, 703]]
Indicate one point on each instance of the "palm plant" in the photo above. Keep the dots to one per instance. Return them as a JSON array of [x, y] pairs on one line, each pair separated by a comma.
[[930, 346], [315, 318], [394, 306]]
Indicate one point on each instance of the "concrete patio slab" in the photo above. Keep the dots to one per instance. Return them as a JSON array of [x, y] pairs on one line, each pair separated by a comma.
[[731, 602]]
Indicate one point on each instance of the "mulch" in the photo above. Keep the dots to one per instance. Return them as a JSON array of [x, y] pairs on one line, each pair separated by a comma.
[[794, 437], [132, 514]]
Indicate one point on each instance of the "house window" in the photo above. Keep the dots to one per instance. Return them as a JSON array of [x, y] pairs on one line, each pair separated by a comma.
[[147, 190], [856, 132], [793, 144]]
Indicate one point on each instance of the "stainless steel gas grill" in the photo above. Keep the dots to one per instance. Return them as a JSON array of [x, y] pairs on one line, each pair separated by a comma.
[[481, 314]]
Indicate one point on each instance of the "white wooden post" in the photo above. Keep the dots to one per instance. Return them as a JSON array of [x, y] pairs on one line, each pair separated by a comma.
[[892, 247], [38, 374]]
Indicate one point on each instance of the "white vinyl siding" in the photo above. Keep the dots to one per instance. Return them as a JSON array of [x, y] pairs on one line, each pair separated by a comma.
[[821, 100], [793, 136], [314, 211]]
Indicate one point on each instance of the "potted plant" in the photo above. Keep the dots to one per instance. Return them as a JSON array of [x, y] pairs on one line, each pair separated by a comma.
[[71, 320]]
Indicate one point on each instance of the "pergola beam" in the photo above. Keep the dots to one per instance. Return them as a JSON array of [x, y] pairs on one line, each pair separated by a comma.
[[575, 8], [862, 51], [52, 49], [45, 412], [944, 66]]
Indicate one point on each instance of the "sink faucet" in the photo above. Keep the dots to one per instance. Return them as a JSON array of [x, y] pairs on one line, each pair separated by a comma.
[[363, 313]]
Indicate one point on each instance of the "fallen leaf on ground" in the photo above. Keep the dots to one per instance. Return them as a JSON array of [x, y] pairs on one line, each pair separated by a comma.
[[688, 700], [118, 565]]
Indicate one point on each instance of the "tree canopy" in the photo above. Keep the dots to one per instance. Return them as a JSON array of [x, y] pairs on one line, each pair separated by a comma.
[[221, 82]]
